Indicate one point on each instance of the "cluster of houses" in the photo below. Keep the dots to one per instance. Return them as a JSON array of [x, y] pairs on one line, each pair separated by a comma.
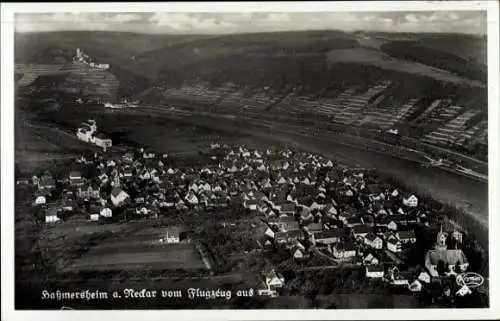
[[87, 132], [309, 204]]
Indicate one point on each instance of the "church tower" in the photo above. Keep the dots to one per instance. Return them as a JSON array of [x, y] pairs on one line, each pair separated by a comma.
[[441, 239], [116, 181]]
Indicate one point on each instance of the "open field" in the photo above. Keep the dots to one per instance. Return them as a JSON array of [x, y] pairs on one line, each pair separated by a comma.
[[38, 144], [164, 135], [139, 250]]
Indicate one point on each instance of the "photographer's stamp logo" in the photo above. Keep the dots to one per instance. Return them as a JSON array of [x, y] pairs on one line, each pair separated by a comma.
[[470, 279]]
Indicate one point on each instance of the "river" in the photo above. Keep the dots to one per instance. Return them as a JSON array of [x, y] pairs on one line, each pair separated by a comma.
[[460, 191]]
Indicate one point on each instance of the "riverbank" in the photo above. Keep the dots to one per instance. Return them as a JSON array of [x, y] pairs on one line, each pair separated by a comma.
[[447, 187]]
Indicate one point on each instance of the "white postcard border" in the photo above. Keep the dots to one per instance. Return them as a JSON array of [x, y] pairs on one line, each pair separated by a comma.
[[7, 161]]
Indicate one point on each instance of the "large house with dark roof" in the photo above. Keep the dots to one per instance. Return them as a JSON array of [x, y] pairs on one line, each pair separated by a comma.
[[118, 196], [450, 258]]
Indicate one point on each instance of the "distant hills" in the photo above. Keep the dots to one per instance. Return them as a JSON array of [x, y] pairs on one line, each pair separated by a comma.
[[436, 80], [171, 58], [313, 63]]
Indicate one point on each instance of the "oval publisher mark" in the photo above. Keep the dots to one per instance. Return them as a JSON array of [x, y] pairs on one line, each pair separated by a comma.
[[470, 279]]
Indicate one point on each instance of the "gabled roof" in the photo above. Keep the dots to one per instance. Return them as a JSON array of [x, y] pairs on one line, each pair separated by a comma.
[[349, 246], [404, 275], [116, 191], [371, 236], [354, 220], [448, 256], [406, 234], [75, 174], [373, 189], [284, 219], [359, 229], [315, 227], [333, 233], [287, 207], [375, 268], [392, 240], [290, 234], [252, 201], [399, 218], [46, 180]]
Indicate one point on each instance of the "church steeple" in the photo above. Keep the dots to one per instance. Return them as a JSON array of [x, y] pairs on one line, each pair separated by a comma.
[[441, 239], [116, 181]]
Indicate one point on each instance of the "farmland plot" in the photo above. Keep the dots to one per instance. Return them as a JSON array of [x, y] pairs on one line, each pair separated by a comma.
[[143, 250]]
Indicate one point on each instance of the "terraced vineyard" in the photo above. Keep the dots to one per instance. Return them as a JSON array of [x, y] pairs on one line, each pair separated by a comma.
[[438, 122]]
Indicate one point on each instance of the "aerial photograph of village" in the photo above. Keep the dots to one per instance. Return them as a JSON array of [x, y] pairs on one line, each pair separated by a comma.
[[251, 160]]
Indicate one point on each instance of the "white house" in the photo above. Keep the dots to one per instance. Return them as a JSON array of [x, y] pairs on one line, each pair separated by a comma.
[[75, 178], [269, 233], [106, 212], [328, 164], [411, 201], [374, 241], [40, 200], [328, 236], [282, 180], [375, 271], [274, 280], [172, 235], [392, 226], [393, 245], [92, 124], [102, 66], [118, 196], [102, 141], [344, 253], [148, 155], [424, 277], [349, 193], [51, 216], [399, 278], [331, 210], [192, 199], [406, 236], [298, 254], [141, 211], [251, 204], [84, 135], [193, 187], [464, 290], [370, 260], [457, 236], [415, 286]]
